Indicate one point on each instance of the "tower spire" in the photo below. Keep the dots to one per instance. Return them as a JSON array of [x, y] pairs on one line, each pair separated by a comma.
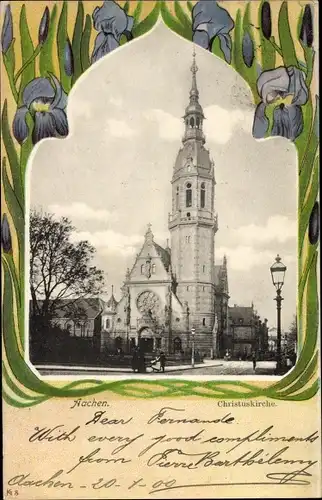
[[194, 93]]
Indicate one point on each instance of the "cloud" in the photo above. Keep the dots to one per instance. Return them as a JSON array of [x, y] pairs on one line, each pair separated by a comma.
[[119, 128], [220, 123], [170, 127], [245, 257], [79, 210], [111, 242], [278, 228]]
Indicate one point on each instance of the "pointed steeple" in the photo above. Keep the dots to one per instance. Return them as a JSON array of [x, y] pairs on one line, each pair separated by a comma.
[[194, 114], [112, 302], [149, 237]]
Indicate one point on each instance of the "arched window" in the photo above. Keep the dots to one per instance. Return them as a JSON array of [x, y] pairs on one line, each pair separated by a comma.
[[203, 195], [177, 198], [188, 215], [142, 268], [107, 324], [203, 321], [188, 239], [203, 268], [188, 195], [177, 344], [153, 268], [192, 122], [198, 122]]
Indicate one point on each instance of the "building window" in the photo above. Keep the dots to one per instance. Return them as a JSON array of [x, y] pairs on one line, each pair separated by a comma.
[[177, 198], [241, 320], [203, 321], [142, 268], [203, 288], [187, 288], [198, 122], [177, 320], [153, 268], [203, 195], [188, 239], [192, 122], [188, 195], [203, 268], [119, 320], [107, 324], [188, 215]]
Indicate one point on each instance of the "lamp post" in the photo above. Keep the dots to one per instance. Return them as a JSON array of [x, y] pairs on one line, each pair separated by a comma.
[[193, 331], [278, 273]]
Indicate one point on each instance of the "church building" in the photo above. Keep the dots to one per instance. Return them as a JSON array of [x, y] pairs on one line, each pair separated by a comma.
[[173, 291]]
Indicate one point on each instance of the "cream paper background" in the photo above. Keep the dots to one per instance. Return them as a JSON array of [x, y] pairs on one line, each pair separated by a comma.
[[42, 459]]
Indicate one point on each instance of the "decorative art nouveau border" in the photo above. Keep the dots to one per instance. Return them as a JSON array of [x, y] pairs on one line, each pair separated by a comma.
[[258, 39]]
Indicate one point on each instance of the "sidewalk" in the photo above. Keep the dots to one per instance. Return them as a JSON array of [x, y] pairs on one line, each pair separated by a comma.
[[168, 369]]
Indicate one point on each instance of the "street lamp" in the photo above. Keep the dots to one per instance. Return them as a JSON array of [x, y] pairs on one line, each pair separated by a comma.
[[278, 273], [193, 331]]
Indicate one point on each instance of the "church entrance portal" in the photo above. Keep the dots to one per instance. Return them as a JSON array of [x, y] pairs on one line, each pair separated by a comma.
[[146, 340]]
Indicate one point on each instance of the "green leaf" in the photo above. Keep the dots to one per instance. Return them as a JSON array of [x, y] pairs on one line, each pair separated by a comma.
[[27, 50], [237, 57], [307, 163], [85, 57], [9, 62], [137, 12], [46, 64], [126, 7], [190, 6], [268, 52], [182, 16], [250, 74], [12, 154], [216, 49], [285, 36], [148, 22], [305, 212], [76, 42], [61, 41], [26, 147], [173, 24]]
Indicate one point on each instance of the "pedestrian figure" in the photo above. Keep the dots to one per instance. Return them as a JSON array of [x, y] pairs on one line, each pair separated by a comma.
[[254, 360], [162, 361], [141, 363], [135, 361]]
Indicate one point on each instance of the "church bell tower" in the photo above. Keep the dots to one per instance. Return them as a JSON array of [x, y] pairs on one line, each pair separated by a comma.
[[193, 222]]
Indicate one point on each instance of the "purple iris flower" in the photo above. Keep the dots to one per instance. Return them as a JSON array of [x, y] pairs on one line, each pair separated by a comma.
[[46, 102], [211, 21], [111, 22], [284, 91]]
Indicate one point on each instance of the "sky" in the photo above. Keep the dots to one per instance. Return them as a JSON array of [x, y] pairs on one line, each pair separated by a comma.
[[111, 175]]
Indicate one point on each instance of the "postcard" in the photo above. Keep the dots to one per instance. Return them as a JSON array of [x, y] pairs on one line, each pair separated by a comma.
[[160, 249]]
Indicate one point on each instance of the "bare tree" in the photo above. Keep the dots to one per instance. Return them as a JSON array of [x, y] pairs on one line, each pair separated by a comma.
[[59, 268]]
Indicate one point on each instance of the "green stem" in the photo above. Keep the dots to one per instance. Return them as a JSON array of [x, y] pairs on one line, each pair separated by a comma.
[[32, 58], [276, 47], [11, 79], [309, 74]]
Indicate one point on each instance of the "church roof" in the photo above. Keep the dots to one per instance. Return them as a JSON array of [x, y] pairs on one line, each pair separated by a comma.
[[165, 254], [238, 313], [199, 155], [89, 307]]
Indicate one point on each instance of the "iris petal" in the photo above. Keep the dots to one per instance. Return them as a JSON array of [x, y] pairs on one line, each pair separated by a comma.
[[60, 120], [19, 126], [201, 38], [287, 122], [297, 86], [104, 44], [216, 18], [272, 82], [225, 45], [110, 18], [44, 126], [260, 125], [39, 88]]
